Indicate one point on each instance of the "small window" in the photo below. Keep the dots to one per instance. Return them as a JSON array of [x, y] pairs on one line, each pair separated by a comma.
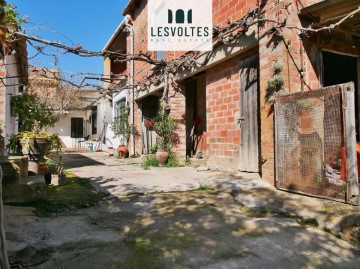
[[160, 55], [77, 127], [119, 111]]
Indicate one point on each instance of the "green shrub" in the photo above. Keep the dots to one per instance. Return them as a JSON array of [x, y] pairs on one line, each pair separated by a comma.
[[172, 161], [154, 149], [205, 187], [149, 161]]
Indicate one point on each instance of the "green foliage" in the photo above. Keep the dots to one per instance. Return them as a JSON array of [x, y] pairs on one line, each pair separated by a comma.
[[205, 187], [274, 85], [165, 127], [172, 160], [154, 149], [122, 127], [56, 168], [187, 160], [149, 161], [31, 112], [14, 147], [52, 166], [12, 20]]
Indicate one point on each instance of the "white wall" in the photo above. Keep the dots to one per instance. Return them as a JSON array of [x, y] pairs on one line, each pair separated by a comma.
[[12, 89], [63, 127], [104, 120], [116, 139]]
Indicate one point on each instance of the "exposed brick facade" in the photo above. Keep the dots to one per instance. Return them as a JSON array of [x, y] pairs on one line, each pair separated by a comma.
[[223, 136], [294, 54]]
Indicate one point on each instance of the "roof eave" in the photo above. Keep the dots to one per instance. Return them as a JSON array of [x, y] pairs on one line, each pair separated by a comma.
[[118, 30]]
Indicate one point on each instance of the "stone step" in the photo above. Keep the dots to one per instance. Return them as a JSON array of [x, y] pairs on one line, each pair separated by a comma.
[[35, 184], [14, 168]]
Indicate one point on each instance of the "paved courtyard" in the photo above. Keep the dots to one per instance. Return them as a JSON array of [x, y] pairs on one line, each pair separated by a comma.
[[159, 218]]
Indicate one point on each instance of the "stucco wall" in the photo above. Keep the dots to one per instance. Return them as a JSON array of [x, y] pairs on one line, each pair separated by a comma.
[[63, 128]]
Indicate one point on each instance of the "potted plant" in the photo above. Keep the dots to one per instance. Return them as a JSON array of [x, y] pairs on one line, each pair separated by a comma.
[[35, 118], [165, 126], [57, 169], [122, 128]]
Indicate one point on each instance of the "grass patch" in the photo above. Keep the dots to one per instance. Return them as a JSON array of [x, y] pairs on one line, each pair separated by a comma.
[[76, 193], [149, 161], [205, 187]]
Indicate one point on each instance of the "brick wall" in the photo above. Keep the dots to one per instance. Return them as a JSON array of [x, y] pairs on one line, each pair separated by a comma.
[[223, 132], [222, 82]]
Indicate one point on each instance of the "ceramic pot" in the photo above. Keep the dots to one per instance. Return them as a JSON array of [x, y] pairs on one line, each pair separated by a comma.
[[123, 151], [35, 148], [43, 168], [162, 156]]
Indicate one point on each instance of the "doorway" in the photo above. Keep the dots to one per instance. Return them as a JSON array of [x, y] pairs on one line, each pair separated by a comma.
[[196, 122], [338, 69], [150, 106], [249, 115]]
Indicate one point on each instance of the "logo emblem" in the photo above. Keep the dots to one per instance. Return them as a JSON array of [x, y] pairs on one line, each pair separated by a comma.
[[179, 25]]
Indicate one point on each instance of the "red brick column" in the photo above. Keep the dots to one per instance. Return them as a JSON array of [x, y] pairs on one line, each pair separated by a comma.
[[177, 106]]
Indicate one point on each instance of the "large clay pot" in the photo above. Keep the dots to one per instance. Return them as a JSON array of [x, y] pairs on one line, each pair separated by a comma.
[[123, 151], [36, 148], [162, 156]]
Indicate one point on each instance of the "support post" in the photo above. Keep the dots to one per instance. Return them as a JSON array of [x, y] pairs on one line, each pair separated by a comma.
[[350, 144]]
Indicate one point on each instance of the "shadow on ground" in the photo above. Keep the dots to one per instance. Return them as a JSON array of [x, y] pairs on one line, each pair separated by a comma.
[[196, 229], [75, 160]]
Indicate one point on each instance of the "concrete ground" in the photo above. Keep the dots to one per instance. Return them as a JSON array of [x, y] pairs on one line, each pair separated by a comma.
[[153, 220], [124, 177]]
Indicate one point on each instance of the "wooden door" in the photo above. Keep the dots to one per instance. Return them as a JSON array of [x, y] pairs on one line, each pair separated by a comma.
[[150, 107], [249, 115]]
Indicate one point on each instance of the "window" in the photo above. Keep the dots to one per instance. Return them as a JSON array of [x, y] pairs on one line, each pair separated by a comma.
[[119, 113], [77, 127]]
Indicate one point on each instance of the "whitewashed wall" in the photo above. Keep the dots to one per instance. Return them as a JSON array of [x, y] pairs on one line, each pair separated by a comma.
[[116, 139], [104, 120], [10, 123], [63, 127]]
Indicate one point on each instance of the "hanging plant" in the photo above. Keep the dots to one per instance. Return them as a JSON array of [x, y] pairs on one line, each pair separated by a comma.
[[274, 84]]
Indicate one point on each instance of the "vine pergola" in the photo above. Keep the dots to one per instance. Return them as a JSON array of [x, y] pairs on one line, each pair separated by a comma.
[[167, 68]]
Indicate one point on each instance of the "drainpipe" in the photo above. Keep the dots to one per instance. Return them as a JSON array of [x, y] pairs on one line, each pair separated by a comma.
[[130, 28]]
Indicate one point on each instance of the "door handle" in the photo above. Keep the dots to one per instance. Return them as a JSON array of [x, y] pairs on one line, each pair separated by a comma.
[[240, 121]]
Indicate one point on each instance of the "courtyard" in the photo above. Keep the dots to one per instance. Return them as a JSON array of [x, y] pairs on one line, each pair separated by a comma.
[[163, 218]]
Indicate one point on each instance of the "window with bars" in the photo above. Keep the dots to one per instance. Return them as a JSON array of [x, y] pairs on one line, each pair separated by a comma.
[[119, 116]]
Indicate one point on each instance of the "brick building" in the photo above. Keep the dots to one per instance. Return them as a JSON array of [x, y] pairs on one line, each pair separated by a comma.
[[228, 93]]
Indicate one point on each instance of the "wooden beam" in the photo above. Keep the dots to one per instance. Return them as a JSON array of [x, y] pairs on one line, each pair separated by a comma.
[[350, 142]]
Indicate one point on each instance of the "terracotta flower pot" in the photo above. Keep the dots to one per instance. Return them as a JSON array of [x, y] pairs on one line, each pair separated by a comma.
[[123, 151], [162, 156], [43, 168]]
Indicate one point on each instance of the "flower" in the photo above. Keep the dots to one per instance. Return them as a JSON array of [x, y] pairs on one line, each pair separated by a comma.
[[148, 123]]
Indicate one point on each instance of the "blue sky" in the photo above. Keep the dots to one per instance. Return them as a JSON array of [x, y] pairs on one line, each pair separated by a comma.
[[89, 23]]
